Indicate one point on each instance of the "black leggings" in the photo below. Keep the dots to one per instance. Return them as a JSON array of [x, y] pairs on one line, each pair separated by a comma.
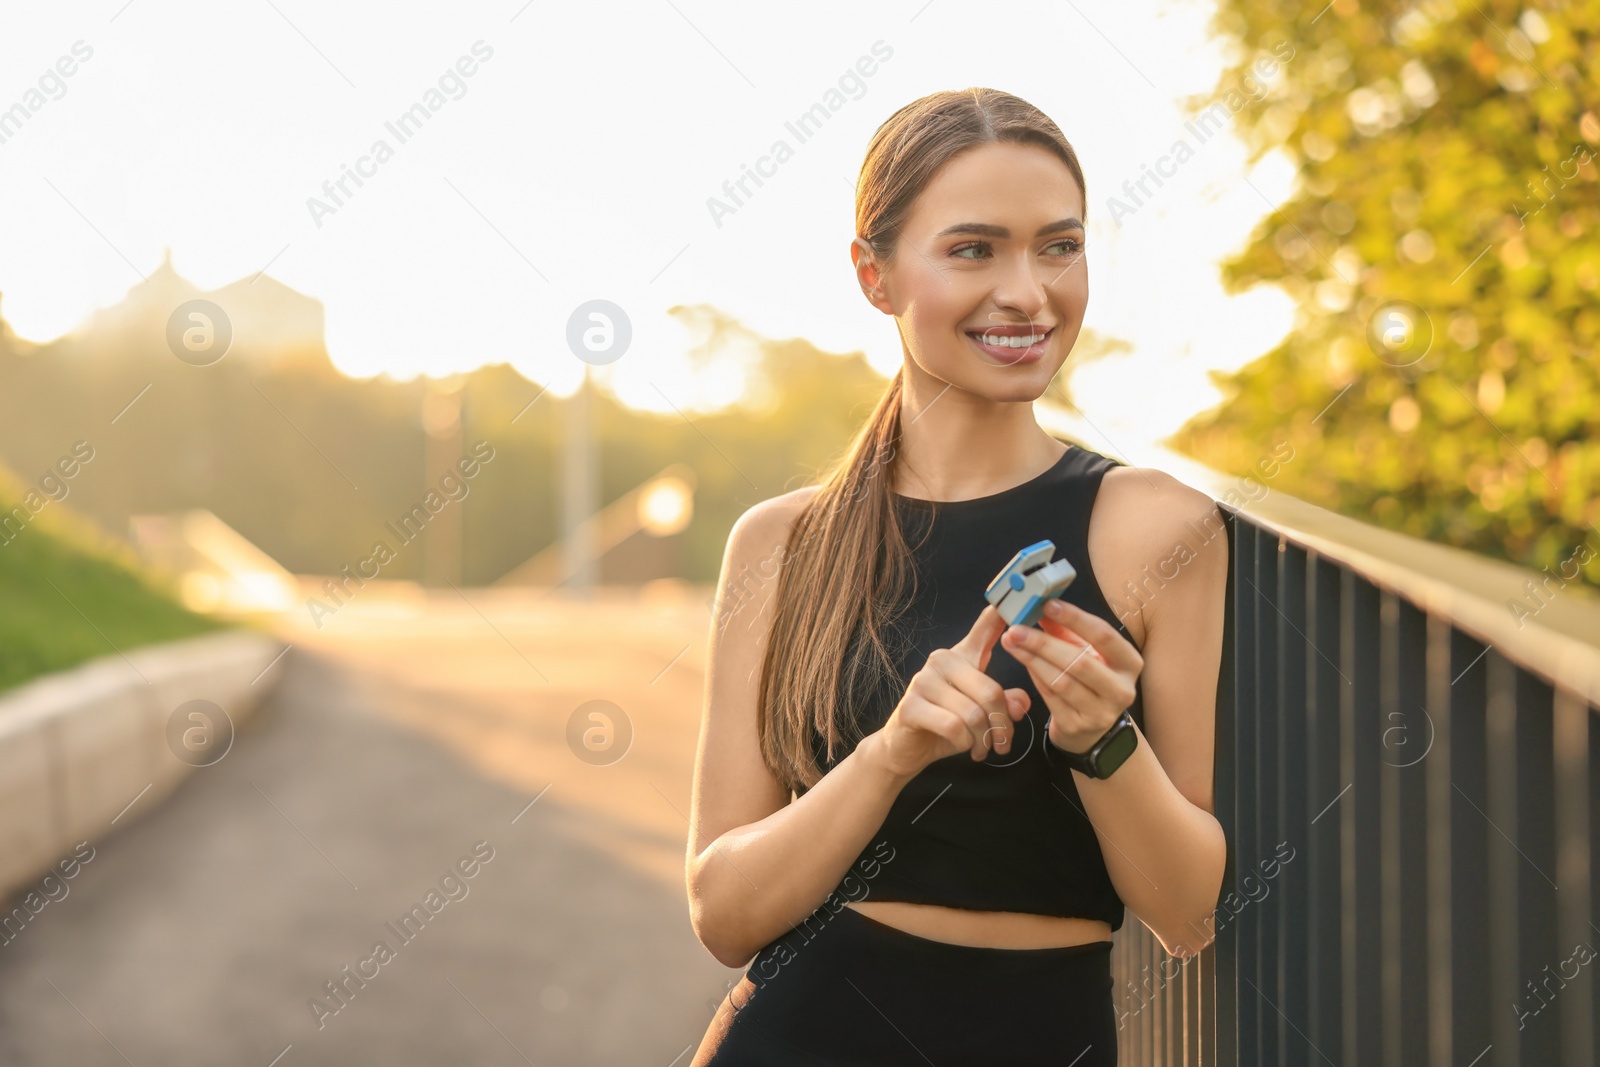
[[849, 990]]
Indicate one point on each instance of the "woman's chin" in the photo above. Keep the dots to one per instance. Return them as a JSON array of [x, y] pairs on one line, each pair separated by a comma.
[[1018, 388]]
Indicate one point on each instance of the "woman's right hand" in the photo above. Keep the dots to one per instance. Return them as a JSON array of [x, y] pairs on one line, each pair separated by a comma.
[[952, 706]]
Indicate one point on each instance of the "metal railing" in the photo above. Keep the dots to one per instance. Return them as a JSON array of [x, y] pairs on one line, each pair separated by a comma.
[[1408, 772]]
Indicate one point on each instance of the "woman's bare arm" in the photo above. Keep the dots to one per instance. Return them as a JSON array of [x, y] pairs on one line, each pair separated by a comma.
[[1164, 848], [758, 863]]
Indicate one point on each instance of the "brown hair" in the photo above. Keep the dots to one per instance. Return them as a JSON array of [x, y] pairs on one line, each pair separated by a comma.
[[848, 565]]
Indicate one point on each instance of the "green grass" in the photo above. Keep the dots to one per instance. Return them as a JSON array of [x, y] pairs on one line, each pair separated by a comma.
[[69, 593]]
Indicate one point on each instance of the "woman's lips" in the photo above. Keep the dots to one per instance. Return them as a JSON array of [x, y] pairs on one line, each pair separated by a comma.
[[1009, 356]]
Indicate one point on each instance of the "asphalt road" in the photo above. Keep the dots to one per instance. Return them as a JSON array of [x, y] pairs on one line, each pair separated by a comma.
[[393, 748]]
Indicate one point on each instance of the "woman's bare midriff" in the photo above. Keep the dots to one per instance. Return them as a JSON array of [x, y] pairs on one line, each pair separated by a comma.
[[984, 929]]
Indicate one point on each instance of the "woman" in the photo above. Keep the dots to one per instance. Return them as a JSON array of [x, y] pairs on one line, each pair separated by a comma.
[[967, 820]]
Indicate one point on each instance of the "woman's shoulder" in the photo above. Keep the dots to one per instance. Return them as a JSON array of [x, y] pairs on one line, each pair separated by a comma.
[[1149, 511], [1145, 527], [764, 527], [758, 544], [776, 512], [1151, 497]]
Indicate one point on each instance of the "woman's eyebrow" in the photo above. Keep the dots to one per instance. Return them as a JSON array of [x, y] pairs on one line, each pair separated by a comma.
[[984, 229]]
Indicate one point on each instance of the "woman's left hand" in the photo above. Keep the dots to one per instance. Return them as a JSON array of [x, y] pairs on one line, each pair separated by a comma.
[[1083, 668]]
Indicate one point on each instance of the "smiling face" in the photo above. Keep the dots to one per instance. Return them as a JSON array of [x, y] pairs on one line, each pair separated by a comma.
[[988, 281]]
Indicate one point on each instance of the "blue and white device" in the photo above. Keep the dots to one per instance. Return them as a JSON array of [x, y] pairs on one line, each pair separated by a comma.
[[1023, 586]]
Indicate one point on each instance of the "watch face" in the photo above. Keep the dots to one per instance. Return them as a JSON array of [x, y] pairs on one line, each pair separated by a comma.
[[1117, 749]]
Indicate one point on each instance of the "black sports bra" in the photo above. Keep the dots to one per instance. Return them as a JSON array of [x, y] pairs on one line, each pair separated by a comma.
[[1008, 833]]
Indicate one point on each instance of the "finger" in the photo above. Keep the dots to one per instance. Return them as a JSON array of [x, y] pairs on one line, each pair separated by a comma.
[[1086, 703], [971, 717], [1056, 656], [1116, 649], [1055, 662], [992, 730], [959, 719], [978, 643], [1071, 637], [1066, 651], [996, 734], [974, 685], [1017, 703], [1072, 704], [1002, 731], [977, 700], [925, 714]]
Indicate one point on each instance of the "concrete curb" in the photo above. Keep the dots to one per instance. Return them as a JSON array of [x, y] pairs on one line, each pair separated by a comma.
[[78, 747]]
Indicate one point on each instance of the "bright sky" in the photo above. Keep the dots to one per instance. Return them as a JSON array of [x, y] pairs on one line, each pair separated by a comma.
[[575, 163]]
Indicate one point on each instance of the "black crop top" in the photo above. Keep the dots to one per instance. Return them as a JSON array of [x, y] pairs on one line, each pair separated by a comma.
[[1008, 833]]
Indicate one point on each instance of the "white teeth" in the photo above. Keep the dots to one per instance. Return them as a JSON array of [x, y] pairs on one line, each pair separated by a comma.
[[1011, 342]]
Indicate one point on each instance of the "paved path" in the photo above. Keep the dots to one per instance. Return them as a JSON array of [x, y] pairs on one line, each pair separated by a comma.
[[391, 745]]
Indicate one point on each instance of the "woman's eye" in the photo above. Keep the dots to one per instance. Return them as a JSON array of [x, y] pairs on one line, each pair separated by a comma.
[[1070, 247]]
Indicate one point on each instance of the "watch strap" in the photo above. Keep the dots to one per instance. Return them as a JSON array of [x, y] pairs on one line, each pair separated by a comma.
[[1063, 763]]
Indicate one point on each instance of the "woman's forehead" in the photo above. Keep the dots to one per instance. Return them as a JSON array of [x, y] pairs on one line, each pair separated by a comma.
[[1018, 186]]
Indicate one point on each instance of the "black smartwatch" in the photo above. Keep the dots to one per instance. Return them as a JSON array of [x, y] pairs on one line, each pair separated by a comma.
[[1104, 756]]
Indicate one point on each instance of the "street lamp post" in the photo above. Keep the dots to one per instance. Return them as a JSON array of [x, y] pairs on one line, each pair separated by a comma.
[[580, 491]]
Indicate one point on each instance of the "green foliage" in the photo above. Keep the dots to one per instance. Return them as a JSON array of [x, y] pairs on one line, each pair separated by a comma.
[[1446, 157], [70, 594]]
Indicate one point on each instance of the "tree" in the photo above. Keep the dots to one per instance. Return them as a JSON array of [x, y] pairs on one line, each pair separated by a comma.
[[1443, 245]]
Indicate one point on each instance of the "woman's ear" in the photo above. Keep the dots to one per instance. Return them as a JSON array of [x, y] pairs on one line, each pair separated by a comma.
[[870, 275]]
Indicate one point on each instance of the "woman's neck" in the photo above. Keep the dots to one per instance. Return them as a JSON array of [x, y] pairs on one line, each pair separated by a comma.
[[970, 450]]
